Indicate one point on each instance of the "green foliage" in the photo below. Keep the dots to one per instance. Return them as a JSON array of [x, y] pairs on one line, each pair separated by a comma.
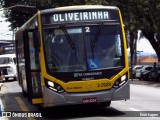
[[19, 15], [137, 14], [141, 15]]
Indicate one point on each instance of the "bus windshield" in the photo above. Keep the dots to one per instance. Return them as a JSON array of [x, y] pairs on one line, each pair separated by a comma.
[[81, 48]]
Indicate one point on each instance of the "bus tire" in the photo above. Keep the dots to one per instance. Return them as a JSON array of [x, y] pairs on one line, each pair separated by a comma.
[[24, 92], [106, 104]]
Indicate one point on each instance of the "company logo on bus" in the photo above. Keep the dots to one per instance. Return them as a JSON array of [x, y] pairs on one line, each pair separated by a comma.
[[87, 74]]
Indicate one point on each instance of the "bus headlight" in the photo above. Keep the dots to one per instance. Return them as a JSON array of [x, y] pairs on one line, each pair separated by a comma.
[[51, 84], [54, 86], [123, 78], [120, 81]]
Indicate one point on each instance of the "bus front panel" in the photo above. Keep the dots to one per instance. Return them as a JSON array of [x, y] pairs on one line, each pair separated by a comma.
[[85, 57]]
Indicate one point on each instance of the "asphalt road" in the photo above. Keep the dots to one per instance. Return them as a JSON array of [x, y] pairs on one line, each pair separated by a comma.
[[144, 104]]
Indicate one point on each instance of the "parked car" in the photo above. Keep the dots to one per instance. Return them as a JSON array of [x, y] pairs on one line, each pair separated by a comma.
[[135, 68], [144, 69], [150, 77], [145, 76]]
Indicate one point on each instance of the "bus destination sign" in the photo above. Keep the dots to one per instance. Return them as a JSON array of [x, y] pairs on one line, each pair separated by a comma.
[[78, 16]]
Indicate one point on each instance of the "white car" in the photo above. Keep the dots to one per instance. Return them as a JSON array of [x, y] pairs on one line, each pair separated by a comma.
[[143, 69], [8, 66], [135, 68]]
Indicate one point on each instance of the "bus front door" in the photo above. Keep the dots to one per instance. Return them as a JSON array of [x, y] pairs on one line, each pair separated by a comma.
[[33, 74]]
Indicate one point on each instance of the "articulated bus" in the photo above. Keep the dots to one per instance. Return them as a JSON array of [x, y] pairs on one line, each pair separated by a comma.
[[73, 55]]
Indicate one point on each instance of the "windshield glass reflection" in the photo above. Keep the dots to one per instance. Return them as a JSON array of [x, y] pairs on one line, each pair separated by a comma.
[[83, 48]]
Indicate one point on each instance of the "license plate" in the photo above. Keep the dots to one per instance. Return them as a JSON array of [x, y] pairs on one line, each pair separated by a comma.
[[89, 100]]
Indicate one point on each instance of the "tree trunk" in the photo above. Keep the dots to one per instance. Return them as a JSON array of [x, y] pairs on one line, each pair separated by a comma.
[[158, 46], [133, 38]]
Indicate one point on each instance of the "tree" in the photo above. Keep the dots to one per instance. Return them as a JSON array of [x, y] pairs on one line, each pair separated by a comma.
[[150, 25], [19, 15], [141, 15]]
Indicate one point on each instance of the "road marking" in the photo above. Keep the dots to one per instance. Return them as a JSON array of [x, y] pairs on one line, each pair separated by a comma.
[[23, 107], [134, 109]]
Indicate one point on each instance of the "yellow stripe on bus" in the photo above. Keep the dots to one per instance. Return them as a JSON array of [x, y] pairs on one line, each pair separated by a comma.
[[37, 100]]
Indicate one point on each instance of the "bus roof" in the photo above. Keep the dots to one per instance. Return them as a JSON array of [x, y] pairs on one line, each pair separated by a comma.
[[78, 7], [66, 8]]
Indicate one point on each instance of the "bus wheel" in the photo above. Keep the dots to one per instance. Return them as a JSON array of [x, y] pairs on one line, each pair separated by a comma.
[[23, 92], [106, 104]]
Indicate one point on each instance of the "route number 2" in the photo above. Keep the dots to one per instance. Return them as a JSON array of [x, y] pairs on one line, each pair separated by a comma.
[[87, 29]]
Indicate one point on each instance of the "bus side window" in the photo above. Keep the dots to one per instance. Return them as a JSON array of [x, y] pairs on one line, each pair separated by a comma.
[[36, 41]]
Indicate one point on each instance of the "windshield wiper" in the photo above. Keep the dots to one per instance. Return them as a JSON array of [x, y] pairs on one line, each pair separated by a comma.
[[69, 39], [96, 38], [97, 34], [67, 36]]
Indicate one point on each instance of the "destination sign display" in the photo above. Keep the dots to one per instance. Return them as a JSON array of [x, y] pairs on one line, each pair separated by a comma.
[[78, 16]]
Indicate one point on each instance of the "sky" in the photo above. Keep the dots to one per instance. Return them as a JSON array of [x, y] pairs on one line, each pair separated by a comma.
[[145, 46], [5, 32]]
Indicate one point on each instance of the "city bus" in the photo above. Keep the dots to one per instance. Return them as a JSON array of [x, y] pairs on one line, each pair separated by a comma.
[[73, 55]]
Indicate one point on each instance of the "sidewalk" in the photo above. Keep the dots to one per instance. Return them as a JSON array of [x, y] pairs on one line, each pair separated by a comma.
[[148, 83]]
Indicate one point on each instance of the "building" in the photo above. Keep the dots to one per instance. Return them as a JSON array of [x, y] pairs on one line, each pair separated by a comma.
[[7, 46]]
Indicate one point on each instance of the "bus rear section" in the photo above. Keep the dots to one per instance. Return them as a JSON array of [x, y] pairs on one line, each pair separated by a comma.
[[81, 55]]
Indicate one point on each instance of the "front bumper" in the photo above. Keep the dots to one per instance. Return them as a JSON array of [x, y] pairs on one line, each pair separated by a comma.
[[10, 76], [52, 98]]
